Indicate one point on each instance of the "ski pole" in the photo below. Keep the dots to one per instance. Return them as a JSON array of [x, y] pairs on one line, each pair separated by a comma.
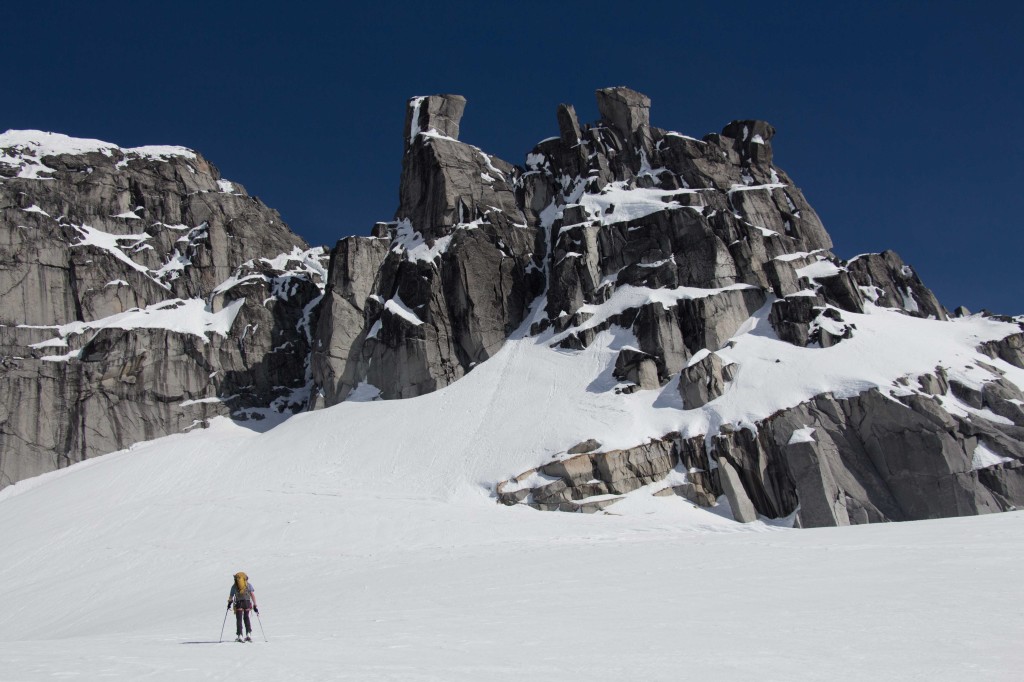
[[222, 626], [260, 621]]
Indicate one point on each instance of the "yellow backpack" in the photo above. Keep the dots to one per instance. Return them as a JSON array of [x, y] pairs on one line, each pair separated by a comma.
[[243, 599]]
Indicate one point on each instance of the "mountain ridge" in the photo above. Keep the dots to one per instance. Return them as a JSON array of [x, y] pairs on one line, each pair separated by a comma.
[[122, 274], [691, 264]]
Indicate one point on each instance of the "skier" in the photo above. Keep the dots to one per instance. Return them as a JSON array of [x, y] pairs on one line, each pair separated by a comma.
[[243, 597]]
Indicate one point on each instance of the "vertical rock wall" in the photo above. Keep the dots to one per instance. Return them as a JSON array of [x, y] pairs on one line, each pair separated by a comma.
[[140, 294]]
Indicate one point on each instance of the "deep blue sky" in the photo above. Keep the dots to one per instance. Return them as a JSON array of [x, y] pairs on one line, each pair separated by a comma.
[[902, 122]]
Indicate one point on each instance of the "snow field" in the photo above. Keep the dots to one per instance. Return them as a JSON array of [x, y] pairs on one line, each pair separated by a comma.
[[371, 534], [373, 588]]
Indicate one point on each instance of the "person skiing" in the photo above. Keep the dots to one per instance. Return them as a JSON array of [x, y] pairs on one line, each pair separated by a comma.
[[243, 598]]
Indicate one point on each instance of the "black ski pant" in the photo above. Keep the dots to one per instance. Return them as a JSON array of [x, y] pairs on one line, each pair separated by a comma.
[[242, 616]]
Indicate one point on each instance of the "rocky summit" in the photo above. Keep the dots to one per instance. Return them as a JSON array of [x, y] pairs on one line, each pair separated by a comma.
[[142, 295]]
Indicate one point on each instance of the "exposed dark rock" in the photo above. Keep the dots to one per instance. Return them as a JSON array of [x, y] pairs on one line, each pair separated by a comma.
[[428, 322], [1004, 399], [702, 381], [667, 244], [446, 182], [355, 262], [566, 484], [841, 291], [781, 278], [752, 140], [865, 459], [438, 113], [568, 125], [805, 320], [934, 384], [732, 487], [637, 367], [454, 280], [791, 317], [888, 282], [966, 393], [625, 110], [1010, 349], [588, 445], [888, 461], [111, 232]]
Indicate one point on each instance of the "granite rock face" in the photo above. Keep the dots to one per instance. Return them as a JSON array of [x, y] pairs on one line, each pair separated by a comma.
[[679, 243], [444, 285], [600, 212], [703, 380], [673, 244], [141, 294], [148, 294], [827, 462], [572, 484]]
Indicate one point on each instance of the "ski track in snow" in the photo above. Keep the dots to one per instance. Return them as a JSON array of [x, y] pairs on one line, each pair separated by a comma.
[[378, 552]]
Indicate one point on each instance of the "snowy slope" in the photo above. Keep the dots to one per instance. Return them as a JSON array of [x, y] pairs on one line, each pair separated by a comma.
[[372, 535]]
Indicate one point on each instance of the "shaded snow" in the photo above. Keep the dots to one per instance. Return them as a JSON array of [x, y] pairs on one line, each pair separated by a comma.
[[984, 458], [909, 302], [396, 306], [534, 480], [201, 401], [363, 393]]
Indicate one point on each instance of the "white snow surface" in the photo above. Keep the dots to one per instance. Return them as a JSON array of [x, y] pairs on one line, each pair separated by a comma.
[[35, 209], [416, 248], [396, 306], [309, 261], [359, 580], [120, 246], [804, 435], [819, 268], [619, 203], [112, 243], [414, 121], [984, 457], [186, 316], [25, 149], [379, 553], [630, 296]]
